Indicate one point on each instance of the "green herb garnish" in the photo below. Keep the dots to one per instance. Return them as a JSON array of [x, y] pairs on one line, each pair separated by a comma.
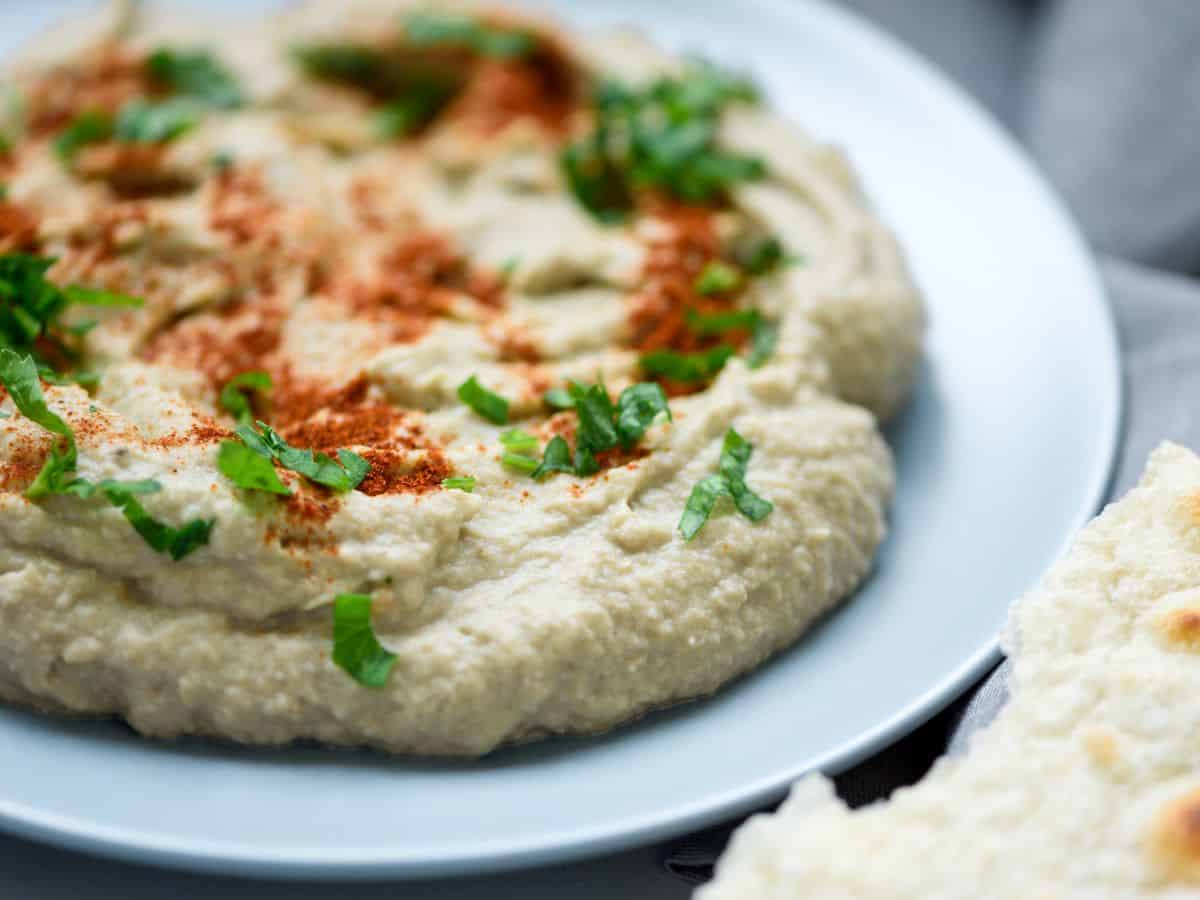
[[414, 108], [731, 482], [249, 469], [235, 395], [558, 398], [603, 425], [757, 254], [491, 406], [708, 324], [195, 73], [661, 137], [762, 343], [557, 458], [175, 542], [716, 278], [518, 441], [31, 305], [686, 368], [90, 127], [343, 474], [520, 462], [356, 649], [57, 475], [465, 483], [428, 29], [146, 122]]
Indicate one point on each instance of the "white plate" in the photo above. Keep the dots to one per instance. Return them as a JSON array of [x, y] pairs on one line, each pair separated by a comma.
[[1005, 451]]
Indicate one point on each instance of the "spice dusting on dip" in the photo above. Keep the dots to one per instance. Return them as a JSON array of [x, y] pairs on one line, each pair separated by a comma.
[[423, 377]]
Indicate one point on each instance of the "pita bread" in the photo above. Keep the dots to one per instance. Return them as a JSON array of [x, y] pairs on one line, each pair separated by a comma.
[[1087, 785]]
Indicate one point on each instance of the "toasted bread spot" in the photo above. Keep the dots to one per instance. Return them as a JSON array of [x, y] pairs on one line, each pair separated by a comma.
[[1101, 746], [1180, 627], [1191, 507], [1174, 840]]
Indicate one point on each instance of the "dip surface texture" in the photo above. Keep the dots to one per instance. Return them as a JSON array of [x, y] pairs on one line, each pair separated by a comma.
[[371, 207]]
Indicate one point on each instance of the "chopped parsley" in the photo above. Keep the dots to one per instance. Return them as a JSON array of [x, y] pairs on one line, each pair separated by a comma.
[[716, 278], [30, 308], [762, 343], [175, 542], [686, 368], [465, 483], [707, 324], [558, 398], [196, 83], [249, 469], [758, 254], [603, 426], [147, 122], [520, 462], [236, 394], [731, 482], [356, 649], [520, 450], [490, 406], [195, 73], [518, 441], [343, 474], [57, 476], [764, 334], [429, 29], [661, 137], [89, 127], [557, 458], [413, 91], [413, 109]]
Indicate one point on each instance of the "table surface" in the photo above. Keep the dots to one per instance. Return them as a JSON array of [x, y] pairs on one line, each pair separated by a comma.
[[46, 873]]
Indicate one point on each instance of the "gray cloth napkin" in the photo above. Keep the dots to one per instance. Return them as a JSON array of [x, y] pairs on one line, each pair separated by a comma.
[[1106, 95]]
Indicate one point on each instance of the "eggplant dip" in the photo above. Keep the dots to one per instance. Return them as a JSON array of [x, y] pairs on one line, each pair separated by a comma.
[[422, 377]]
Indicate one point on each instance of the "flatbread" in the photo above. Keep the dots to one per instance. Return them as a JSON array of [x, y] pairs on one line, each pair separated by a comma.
[[1087, 785]]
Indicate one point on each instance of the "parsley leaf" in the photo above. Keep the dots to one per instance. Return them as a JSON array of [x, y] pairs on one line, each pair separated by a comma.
[[57, 476], [356, 649], [449, 30], [234, 399], [196, 74], [175, 542], [518, 441], [520, 462], [249, 469], [30, 307], [20, 376], [731, 482], [637, 408], [415, 106], [717, 323], [89, 127], [700, 504], [465, 483], [144, 122], [491, 406], [343, 474], [661, 137], [717, 277], [557, 458], [686, 367], [758, 254], [762, 343], [597, 431], [558, 398]]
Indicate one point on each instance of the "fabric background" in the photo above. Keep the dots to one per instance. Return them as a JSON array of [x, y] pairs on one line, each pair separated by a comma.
[[1106, 95]]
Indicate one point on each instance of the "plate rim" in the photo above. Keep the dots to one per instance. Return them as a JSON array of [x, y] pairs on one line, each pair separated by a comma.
[[144, 848]]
